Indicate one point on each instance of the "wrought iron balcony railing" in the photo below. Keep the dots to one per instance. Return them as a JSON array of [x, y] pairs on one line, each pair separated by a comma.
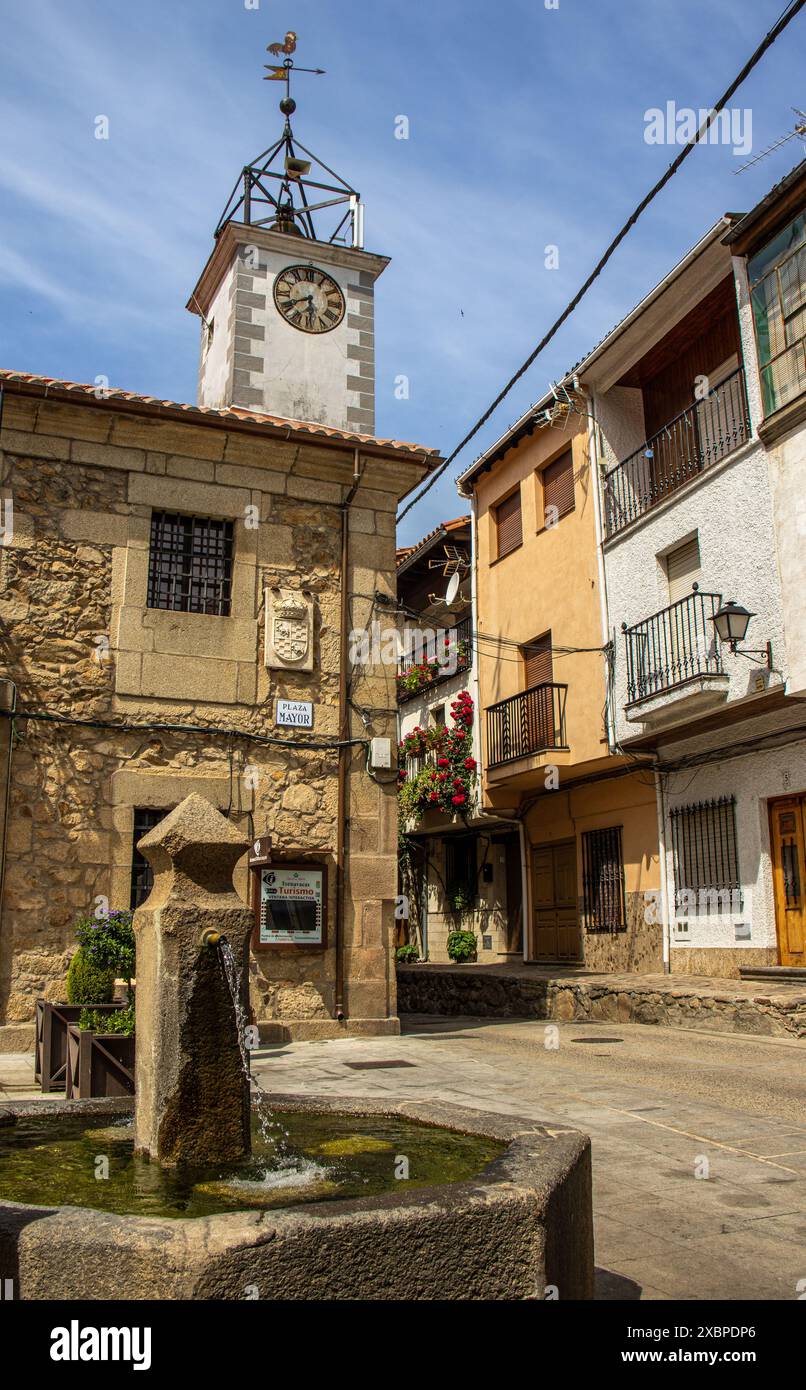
[[700, 437], [672, 646], [530, 722], [432, 664]]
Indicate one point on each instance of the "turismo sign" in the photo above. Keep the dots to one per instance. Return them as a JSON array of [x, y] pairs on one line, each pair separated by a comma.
[[291, 905]]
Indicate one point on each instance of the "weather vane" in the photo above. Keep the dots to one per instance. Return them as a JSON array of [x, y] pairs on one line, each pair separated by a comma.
[[275, 73]]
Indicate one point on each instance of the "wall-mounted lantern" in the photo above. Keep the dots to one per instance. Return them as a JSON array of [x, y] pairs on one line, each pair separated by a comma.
[[731, 621]]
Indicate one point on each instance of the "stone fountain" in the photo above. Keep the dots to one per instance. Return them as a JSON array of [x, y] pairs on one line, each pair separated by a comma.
[[521, 1228], [192, 1093]]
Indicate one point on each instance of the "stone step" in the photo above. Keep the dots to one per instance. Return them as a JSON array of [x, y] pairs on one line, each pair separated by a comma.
[[772, 972]]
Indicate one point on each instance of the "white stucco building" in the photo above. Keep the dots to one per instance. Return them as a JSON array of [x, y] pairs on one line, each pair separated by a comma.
[[697, 405]]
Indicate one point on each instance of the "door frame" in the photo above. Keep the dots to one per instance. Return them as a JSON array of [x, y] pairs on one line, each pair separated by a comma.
[[533, 850], [796, 799]]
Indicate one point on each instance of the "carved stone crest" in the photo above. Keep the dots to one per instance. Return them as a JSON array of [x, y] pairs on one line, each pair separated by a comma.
[[289, 629]]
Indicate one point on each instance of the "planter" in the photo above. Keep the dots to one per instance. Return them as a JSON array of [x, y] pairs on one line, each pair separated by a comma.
[[52, 1022], [98, 1064]]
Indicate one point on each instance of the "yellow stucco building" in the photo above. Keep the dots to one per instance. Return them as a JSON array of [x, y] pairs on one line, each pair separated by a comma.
[[591, 876]]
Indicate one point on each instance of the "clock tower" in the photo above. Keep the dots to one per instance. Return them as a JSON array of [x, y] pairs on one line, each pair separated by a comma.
[[286, 298]]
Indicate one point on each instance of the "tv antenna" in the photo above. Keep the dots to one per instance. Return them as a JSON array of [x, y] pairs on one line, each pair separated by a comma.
[[799, 132]]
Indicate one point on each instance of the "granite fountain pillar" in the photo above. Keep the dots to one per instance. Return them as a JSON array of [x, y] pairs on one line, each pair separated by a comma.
[[192, 1093]]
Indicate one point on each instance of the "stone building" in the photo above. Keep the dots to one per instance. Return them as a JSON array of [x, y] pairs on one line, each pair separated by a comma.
[[170, 575]]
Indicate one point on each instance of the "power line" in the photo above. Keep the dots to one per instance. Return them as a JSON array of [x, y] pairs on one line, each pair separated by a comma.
[[769, 39]]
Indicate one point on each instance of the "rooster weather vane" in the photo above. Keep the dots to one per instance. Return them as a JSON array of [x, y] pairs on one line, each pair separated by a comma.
[[264, 195]]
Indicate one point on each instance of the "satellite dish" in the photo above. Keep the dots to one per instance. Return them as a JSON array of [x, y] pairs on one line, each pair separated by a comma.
[[453, 588]]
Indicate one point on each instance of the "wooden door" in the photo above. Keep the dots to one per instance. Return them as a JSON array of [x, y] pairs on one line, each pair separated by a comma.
[[555, 905], [787, 823]]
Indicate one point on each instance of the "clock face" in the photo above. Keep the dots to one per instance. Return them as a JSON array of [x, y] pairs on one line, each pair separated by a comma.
[[308, 299]]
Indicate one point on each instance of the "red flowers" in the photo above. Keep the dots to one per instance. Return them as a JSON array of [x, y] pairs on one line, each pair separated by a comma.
[[443, 779], [457, 800]]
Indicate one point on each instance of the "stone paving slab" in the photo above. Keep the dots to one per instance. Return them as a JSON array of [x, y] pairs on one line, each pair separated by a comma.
[[653, 1106]]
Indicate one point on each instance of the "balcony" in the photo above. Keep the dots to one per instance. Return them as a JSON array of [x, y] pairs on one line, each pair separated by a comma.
[[676, 652], [686, 447], [421, 672], [531, 722]]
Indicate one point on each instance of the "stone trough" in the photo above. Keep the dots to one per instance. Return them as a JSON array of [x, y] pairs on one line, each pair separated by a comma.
[[521, 1230]]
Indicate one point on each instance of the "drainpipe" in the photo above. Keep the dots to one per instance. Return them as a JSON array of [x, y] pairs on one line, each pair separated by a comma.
[[664, 882], [345, 751]]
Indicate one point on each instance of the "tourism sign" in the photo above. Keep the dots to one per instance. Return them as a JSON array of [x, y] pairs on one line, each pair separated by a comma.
[[292, 905]]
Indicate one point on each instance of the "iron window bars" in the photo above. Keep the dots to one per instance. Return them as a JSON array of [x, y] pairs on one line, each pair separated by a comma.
[[190, 564], [706, 856], [604, 894], [145, 818]]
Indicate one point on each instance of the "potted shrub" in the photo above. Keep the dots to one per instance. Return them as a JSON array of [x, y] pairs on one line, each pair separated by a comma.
[[100, 1044], [106, 952], [407, 955], [100, 1054], [461, 946]]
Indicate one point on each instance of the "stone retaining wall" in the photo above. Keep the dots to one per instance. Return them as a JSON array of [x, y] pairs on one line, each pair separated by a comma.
[[670, 1002]]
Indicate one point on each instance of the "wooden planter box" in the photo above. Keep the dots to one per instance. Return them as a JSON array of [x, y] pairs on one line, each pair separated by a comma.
[[52, 1022], [98, 1064]]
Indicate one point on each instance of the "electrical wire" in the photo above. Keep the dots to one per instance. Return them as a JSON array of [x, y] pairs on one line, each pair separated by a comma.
[[792, 9], [128, 727]]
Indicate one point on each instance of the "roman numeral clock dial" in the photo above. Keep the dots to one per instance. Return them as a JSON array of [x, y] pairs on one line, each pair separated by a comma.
[[308, 299]]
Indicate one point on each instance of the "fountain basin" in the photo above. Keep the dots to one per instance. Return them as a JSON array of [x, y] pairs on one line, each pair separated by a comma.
[[522, 1227]]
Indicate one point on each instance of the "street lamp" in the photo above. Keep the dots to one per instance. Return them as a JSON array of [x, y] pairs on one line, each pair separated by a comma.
[[731, 621]]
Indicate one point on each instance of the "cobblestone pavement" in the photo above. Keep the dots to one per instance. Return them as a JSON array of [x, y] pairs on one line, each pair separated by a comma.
[[661, 1107]]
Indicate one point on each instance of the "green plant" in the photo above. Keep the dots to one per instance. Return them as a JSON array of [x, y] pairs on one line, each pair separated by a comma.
[[447, 781], [88, 980], [109, 942], [406, 954], [460, 896], [121, 1021], [461, 946]]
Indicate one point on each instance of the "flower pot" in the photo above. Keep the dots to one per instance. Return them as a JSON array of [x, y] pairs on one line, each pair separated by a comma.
[[52, 1022], [98, 1064]]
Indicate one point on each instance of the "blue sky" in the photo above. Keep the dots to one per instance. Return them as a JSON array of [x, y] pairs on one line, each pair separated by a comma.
[[526, 129]]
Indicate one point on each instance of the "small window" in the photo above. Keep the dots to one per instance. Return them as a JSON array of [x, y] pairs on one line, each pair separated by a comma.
[[603, 880], [558, 488], [706, 857], [508, 523], [683, 569], [190, 564], [145, 818], [438, 716]]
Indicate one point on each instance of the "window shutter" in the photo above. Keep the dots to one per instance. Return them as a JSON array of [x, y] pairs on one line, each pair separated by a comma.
[[538, 669], [558, 485], [683, 568], [508, 522]]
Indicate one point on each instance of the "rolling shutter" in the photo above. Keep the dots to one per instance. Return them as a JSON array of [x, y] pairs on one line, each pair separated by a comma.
[[508, 522], [683, 569], [537, 663], [558, 485]]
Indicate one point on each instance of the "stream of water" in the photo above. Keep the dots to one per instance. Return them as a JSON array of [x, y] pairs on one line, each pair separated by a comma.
[[271, 1130]]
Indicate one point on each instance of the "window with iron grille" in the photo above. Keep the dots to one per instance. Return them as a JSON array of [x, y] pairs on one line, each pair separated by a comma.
[[145, 818], [706, 857], [190, 564], [558, 488], [604, 896], [508, 523]]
